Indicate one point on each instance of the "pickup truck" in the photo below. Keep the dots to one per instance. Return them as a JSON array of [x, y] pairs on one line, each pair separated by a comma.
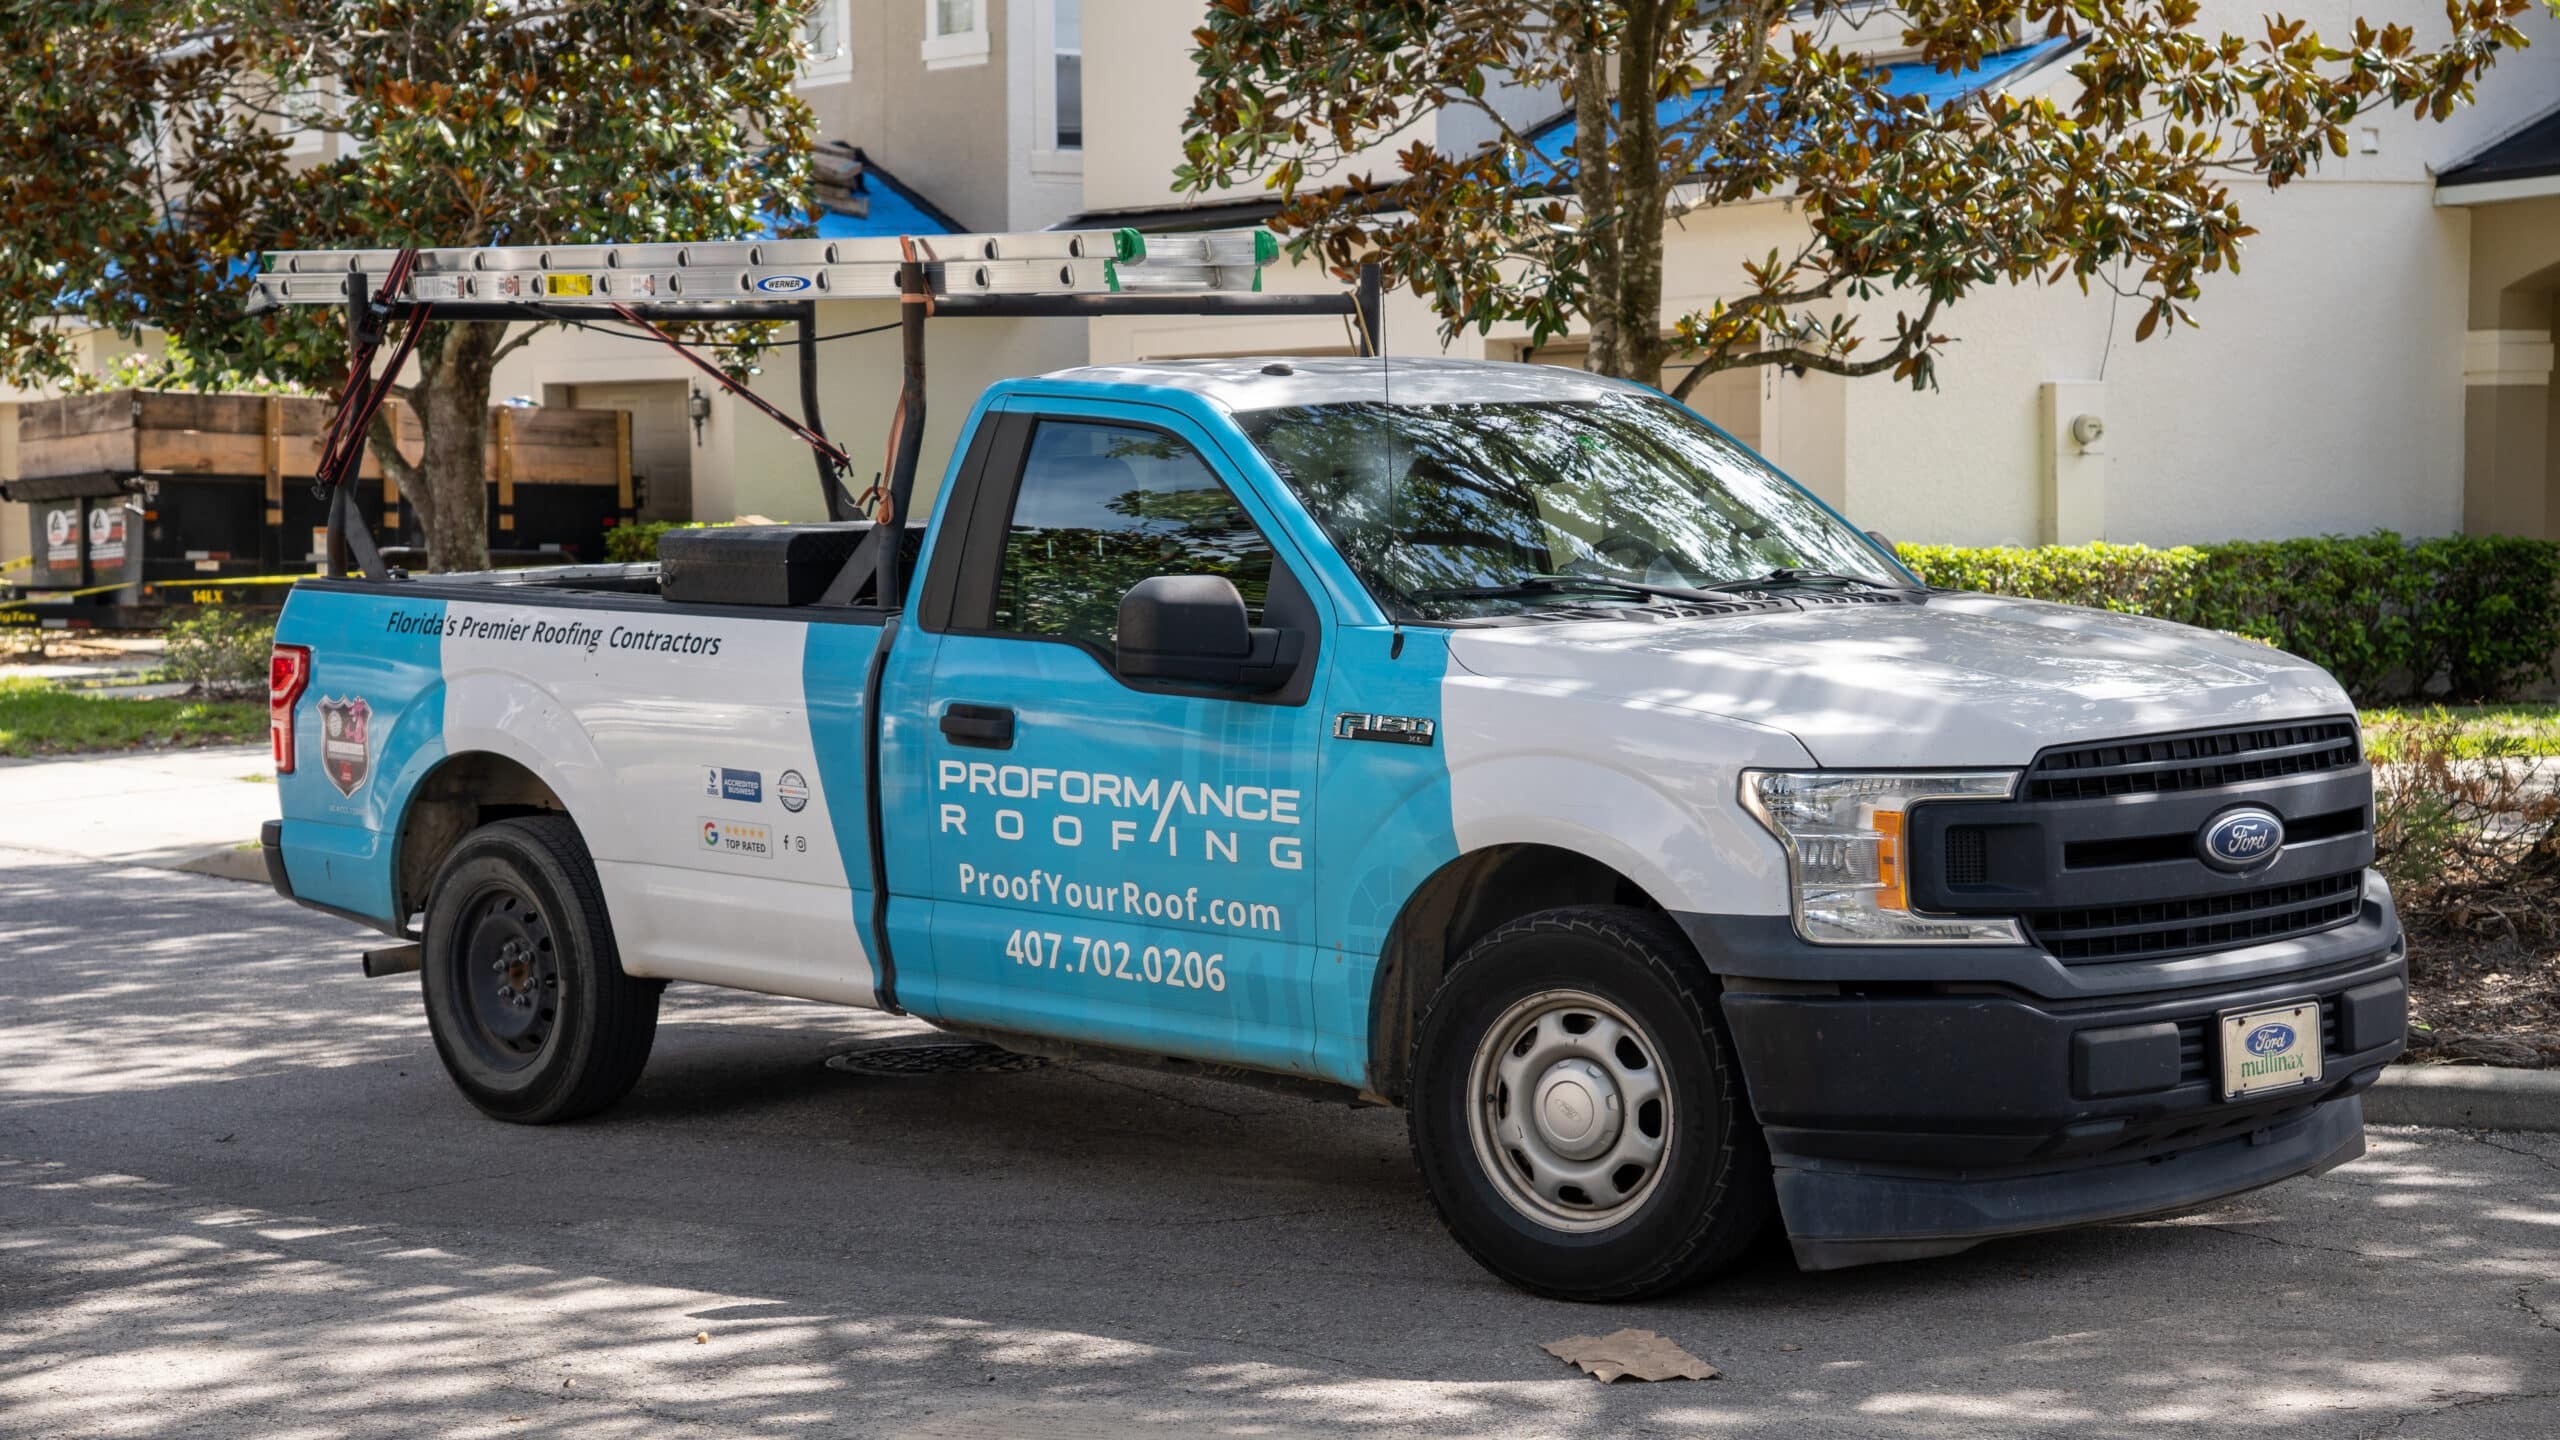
[[1500, 742]]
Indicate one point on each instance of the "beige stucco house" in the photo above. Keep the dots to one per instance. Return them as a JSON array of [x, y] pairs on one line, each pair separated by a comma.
[[964, 112], [2383, 359]]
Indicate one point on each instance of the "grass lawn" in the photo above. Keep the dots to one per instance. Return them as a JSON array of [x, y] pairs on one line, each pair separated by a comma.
[[39, 718], [2483, 729]]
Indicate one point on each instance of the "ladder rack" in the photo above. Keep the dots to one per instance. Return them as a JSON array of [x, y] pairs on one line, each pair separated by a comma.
[[1066, 273], [662, 276]]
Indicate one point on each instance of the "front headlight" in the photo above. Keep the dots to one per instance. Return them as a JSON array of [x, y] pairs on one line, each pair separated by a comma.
[[1848, 859]]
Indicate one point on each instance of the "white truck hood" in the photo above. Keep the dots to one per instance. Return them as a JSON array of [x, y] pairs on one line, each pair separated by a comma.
[[1963, 680]]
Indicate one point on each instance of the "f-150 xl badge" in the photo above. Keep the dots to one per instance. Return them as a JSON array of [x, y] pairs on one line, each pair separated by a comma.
[[1393, 729]]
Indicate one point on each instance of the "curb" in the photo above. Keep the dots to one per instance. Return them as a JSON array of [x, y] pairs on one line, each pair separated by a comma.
[[230, 862], [2472, 1097]]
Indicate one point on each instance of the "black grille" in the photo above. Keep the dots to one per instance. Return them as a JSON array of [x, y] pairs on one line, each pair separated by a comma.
[[2168, 763], [2215, 922], [1968, 856]]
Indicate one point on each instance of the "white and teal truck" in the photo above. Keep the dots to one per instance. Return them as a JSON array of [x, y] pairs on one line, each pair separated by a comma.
[[1495, 741]]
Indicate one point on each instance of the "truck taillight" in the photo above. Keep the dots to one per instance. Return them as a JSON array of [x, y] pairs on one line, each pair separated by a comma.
[[288, 671]]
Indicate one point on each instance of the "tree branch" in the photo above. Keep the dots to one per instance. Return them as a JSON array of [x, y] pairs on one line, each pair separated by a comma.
[[386, 450], [518, 341], [1913, 340]]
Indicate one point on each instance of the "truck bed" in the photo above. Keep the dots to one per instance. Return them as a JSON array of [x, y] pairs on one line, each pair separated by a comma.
[[647, 719]]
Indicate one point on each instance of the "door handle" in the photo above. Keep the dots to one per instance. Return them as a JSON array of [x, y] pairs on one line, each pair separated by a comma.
[[981, 727]]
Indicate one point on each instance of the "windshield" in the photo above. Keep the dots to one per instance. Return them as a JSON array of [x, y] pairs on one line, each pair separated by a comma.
[[1451, 511]]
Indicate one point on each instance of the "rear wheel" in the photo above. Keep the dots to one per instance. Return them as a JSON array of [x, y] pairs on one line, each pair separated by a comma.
[[525, 994], [1576, 1112]]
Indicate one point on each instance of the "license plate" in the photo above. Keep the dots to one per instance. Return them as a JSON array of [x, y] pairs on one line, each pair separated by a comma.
[[2276, 1048]]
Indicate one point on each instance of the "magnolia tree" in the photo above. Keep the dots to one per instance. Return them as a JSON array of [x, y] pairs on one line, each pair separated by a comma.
[[156, 149], [2120, 175]]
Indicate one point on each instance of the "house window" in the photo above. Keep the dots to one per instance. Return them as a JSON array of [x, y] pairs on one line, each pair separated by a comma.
[[955, 33], [1054, 58], [307, 118], [830, 57], [1066, 71]]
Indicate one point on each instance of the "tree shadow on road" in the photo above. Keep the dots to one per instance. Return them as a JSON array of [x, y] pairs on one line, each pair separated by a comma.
[[240, 1198]]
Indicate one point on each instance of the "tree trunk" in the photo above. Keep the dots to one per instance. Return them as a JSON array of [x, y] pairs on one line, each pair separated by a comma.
[[451, 489], [1643, 193], [1596, 191]]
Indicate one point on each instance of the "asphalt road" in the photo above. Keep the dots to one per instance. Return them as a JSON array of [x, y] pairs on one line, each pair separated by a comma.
[[238, 1198]]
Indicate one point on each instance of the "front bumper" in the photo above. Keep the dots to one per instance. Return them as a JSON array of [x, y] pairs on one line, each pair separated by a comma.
[[1839, 1219], [1909, 1115]]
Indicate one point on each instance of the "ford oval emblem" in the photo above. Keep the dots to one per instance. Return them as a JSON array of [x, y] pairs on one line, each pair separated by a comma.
[[782, 284], [2241, 839], [2270, 1040]]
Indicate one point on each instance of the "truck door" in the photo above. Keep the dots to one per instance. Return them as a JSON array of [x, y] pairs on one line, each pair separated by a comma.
[[1121, 862]]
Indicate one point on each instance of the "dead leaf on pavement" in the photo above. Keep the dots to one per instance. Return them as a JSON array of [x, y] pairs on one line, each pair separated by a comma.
[[1639, 1353]]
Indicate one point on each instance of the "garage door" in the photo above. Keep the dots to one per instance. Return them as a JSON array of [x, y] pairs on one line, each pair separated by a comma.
[[661, 440]]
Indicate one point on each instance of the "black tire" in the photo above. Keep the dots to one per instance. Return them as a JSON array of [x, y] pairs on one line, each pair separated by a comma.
[[526, 998], [1702, 1197]]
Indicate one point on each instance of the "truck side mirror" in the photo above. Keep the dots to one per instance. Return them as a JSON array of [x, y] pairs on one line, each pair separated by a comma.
[[1193, 629], [1884, 540]]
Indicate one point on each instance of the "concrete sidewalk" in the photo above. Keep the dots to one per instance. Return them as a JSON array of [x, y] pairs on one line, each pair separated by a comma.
[[165, 807]]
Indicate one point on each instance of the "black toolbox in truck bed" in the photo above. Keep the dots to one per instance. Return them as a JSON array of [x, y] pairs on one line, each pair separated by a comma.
[[760, 564]]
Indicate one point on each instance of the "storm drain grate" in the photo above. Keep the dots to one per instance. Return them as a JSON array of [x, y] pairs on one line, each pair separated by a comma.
[[934, 1057]]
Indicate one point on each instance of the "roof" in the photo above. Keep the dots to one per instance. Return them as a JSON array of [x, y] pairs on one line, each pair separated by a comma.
[[1243, 384], [1553, 138], [2531, 153], [1158, 219], [896, 208]]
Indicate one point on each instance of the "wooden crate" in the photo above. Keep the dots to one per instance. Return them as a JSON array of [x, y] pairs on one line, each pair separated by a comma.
[[190, 435], [574, 467]]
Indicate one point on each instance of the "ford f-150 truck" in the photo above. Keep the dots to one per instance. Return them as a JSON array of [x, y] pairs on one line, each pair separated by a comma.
[[1496, 741]]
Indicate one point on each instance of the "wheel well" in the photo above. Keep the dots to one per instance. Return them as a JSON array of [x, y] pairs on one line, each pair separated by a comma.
[[1468, 898], [459, 796]]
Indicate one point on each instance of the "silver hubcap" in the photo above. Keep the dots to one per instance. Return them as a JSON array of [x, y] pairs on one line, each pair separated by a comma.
[[1570, 1110]]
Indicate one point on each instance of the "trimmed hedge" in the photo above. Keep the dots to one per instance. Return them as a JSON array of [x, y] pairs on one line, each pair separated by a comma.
[[637, 543], [2464, 618]]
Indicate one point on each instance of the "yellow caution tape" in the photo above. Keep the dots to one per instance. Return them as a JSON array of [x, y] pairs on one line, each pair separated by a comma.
[[21, 563], [210, 582], [216, 581], [51, 595]]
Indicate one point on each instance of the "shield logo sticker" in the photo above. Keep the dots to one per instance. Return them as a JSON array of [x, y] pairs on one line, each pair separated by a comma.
[[346, 741]]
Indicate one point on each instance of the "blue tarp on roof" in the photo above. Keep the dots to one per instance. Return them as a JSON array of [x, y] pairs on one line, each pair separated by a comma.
[[1554, 140], [892, 213], [895, 210]]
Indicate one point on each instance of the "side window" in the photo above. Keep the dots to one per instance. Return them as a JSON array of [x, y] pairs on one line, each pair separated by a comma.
[[1102, 507]]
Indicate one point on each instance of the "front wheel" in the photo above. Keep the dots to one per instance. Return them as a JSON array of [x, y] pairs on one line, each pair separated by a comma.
[[1577, 1114], [526, 998]]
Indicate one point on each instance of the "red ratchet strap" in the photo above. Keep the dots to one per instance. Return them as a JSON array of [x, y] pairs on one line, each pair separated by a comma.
[[720, 377], [898, 415], [362, 397]]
